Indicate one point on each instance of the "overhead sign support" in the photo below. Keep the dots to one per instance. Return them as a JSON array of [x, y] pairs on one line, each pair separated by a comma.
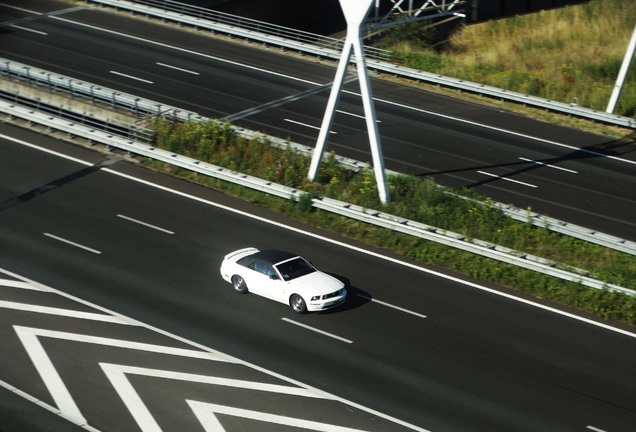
[[355, 12], [620, 80]]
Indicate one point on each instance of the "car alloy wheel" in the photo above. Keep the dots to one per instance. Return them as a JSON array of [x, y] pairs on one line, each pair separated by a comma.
[[298, 304], [239, 284]]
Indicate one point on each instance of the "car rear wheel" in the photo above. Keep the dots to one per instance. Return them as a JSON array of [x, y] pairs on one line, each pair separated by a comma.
[[239, 284], [298, 304]]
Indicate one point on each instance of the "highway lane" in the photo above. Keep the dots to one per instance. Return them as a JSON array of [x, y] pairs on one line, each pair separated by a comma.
[[434, 352], [553, 170]]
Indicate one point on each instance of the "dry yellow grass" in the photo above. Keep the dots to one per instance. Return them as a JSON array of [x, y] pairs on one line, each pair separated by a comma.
[[572, 53]]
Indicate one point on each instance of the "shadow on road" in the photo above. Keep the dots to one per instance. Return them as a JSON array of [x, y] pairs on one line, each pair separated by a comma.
[[37, 192]]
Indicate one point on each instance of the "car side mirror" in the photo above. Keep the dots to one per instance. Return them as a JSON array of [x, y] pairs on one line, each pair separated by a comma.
[[274, 277]]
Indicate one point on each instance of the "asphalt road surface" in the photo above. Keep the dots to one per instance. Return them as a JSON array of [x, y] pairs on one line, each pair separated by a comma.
[[114, 313]]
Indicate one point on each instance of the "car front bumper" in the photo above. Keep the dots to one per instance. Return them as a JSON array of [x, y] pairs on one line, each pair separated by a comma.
[[319, 305]]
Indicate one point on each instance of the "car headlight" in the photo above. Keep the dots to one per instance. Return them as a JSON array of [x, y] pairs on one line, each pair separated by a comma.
[[314, 298]]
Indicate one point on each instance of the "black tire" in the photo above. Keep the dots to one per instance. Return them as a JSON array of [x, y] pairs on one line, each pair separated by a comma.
[[298, 304], [239, 284]]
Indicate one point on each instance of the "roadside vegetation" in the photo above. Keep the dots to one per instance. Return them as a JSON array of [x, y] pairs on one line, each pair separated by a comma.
[[572, 54], [413, 198]]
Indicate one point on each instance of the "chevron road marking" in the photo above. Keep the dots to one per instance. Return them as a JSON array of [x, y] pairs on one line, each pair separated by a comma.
[[51, 378], [63, 312], [63, 399], [131, 399], [118, 375], [206, 413], [34, 333], [116, 372], [19, 284]]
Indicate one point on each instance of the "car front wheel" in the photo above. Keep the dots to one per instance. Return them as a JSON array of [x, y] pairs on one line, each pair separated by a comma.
[[298, 304], [239, 284]]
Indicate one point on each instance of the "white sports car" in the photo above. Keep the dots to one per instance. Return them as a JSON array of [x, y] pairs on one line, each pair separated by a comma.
[[284, 277]]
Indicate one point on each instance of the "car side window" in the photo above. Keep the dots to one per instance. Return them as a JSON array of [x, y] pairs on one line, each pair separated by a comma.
[[269, 270], [263, 268]]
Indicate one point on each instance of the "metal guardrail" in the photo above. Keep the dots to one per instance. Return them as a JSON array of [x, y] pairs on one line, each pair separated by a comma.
[[130, 129], [570, 109], [355, 212], [131, 103], [234, 25], [320, 46], [140, 106], [77, 88], [556, 225]]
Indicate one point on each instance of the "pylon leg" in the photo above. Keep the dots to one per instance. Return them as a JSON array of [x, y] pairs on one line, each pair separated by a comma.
[[371, 120], [355, 12], [620, 80], [330, 111]]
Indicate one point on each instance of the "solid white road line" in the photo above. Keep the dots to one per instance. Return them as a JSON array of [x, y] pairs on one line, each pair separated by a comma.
[[72, 243], [131, 77], [549, 165], [178, 68], [507, 179], [391, 306], [316, 330], [144, 224], [595, 429]]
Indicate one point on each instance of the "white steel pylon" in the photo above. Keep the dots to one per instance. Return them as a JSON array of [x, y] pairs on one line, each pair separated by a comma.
[[355, 12], [622, 73]]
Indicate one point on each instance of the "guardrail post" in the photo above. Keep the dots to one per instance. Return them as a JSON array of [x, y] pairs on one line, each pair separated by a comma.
[[28, 74]]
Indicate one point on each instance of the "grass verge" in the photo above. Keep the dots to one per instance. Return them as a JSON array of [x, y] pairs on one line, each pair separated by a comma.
[[571, 54]]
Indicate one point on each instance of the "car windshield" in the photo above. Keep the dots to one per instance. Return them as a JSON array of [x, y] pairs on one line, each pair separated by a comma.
[[295, 268]]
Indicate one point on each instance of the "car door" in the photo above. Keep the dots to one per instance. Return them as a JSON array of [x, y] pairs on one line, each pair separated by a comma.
[[265, 281], [273, 285]]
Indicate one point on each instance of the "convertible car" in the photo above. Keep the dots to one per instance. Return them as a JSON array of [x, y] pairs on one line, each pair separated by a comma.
[[283, 277]]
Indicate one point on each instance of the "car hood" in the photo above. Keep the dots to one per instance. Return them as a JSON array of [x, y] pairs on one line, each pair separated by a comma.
[[316, 283]]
